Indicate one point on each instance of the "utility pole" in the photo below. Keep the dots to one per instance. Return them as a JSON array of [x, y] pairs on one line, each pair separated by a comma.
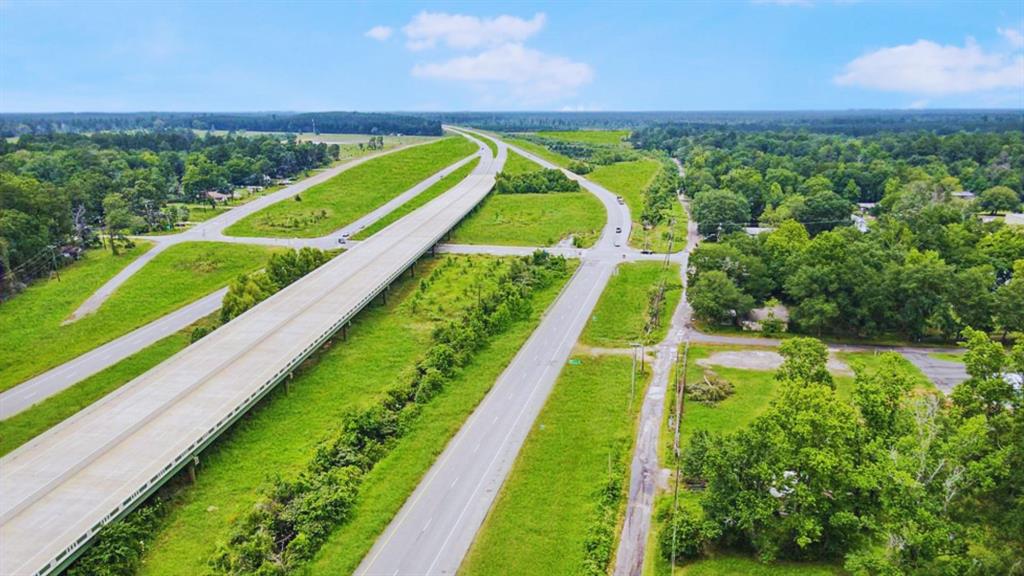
[[632, 375], [53, 261]]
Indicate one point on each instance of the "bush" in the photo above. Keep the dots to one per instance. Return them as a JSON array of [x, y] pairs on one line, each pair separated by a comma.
[[711, 390], [536, 182], [687, 534]]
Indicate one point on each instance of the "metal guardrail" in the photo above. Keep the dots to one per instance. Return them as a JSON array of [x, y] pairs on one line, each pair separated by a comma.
[[68, 555]]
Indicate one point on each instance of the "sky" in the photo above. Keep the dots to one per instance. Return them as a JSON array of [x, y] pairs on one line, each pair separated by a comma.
[[442, 56]]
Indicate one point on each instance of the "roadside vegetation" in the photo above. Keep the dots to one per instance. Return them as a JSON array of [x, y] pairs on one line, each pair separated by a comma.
[[442, 186], [516, 164], [33, 338], [876, 477], [385, 345], [636, 306], [331, 205], [559, 510], [611, 137]]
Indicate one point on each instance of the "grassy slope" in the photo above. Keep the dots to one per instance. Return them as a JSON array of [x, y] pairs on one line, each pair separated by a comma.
[[533, 220], [658, 237], [422, 198], [629, 180], [280, 437], [33, 339], [589, 136], [518, 164], [395, 477], [621, 312], [344, 198], [540, 520], [26, 425], [540, 151]]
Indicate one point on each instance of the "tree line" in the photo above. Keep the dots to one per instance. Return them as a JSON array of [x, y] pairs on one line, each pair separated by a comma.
[[15, 124], [58, 191], [888, 481]]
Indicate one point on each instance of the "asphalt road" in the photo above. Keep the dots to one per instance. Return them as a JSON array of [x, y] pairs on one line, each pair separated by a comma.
[[435, 527], [61, 487]]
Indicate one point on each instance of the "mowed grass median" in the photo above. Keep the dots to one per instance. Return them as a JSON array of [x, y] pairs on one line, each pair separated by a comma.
[[548, 504], [32, 339], [343, 199], [624, 309], [281, 436], [533, 220]]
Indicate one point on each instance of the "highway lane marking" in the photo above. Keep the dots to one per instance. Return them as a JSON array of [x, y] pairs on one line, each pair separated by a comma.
[[504, 441], [452, 485]]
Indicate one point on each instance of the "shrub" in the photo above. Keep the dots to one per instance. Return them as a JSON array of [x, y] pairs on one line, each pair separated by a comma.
[[710, 390]]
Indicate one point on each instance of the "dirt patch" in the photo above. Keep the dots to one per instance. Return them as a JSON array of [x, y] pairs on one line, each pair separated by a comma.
[[766, 360]]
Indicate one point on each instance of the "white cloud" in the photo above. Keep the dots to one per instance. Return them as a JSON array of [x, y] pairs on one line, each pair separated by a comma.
[[918, 104], [380, 33], [463, 32], [802, 3], [530, 76], [925, 67], [1013, 35]]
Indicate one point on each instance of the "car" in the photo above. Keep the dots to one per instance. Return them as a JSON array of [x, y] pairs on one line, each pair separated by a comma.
[[647, 251], [618, 230], [620, 200], [618, 244]]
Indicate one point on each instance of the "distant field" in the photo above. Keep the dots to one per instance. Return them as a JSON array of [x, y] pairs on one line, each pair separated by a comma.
[[589, 136], [621, 313], [548, 504], [351, 194], [533, 220], [517, 164], [32, 339], [389, 141], [422, 198]]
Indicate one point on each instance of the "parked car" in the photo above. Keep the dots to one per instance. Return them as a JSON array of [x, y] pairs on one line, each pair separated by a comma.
[[618, 230], [620, 200]]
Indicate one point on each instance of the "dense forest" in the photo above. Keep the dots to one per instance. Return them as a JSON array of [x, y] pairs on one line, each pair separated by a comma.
[[867, 236], [314, 122], [58, 191]]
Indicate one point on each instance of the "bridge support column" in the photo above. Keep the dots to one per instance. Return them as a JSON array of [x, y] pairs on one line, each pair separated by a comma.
[[412, 269], [433, 250], [344, 332], [192, 469], [288, 384]]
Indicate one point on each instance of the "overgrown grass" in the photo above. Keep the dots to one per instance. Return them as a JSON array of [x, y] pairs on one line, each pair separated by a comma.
[[353, 193], [516, 163], [440, 187], [393, 479], [658, 236], [870, 362], [280, 437], [202, 212], [729, 565], [26, 425], [533, 220], [33, 339], [622, 312], [541, 518], [589, 136], [948, 356]]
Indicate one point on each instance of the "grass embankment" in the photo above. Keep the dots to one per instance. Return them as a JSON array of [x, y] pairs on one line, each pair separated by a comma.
[[516, 164], [351, 194], [440, 187], [32, 339], [616, 137], [540, 151], [26, 425], [280, 437], [532, 219], [542, 516], [630, 180], [622, 312]]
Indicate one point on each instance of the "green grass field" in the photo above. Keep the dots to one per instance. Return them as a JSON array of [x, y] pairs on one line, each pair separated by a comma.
[[589, 136], [730, 565], [32, 339], [548, 503], [518, 164], [279, 437], [533, 220], [540, 151], [26, 425], [351, 194], [621, 313], [422, 198], [395, 477], [948, 356], [658, 237]]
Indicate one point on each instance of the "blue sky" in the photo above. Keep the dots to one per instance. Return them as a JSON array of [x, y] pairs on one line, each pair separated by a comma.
[[758, 55]]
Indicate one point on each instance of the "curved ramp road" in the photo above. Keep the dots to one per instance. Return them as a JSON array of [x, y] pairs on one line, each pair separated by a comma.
[[57, 491]]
